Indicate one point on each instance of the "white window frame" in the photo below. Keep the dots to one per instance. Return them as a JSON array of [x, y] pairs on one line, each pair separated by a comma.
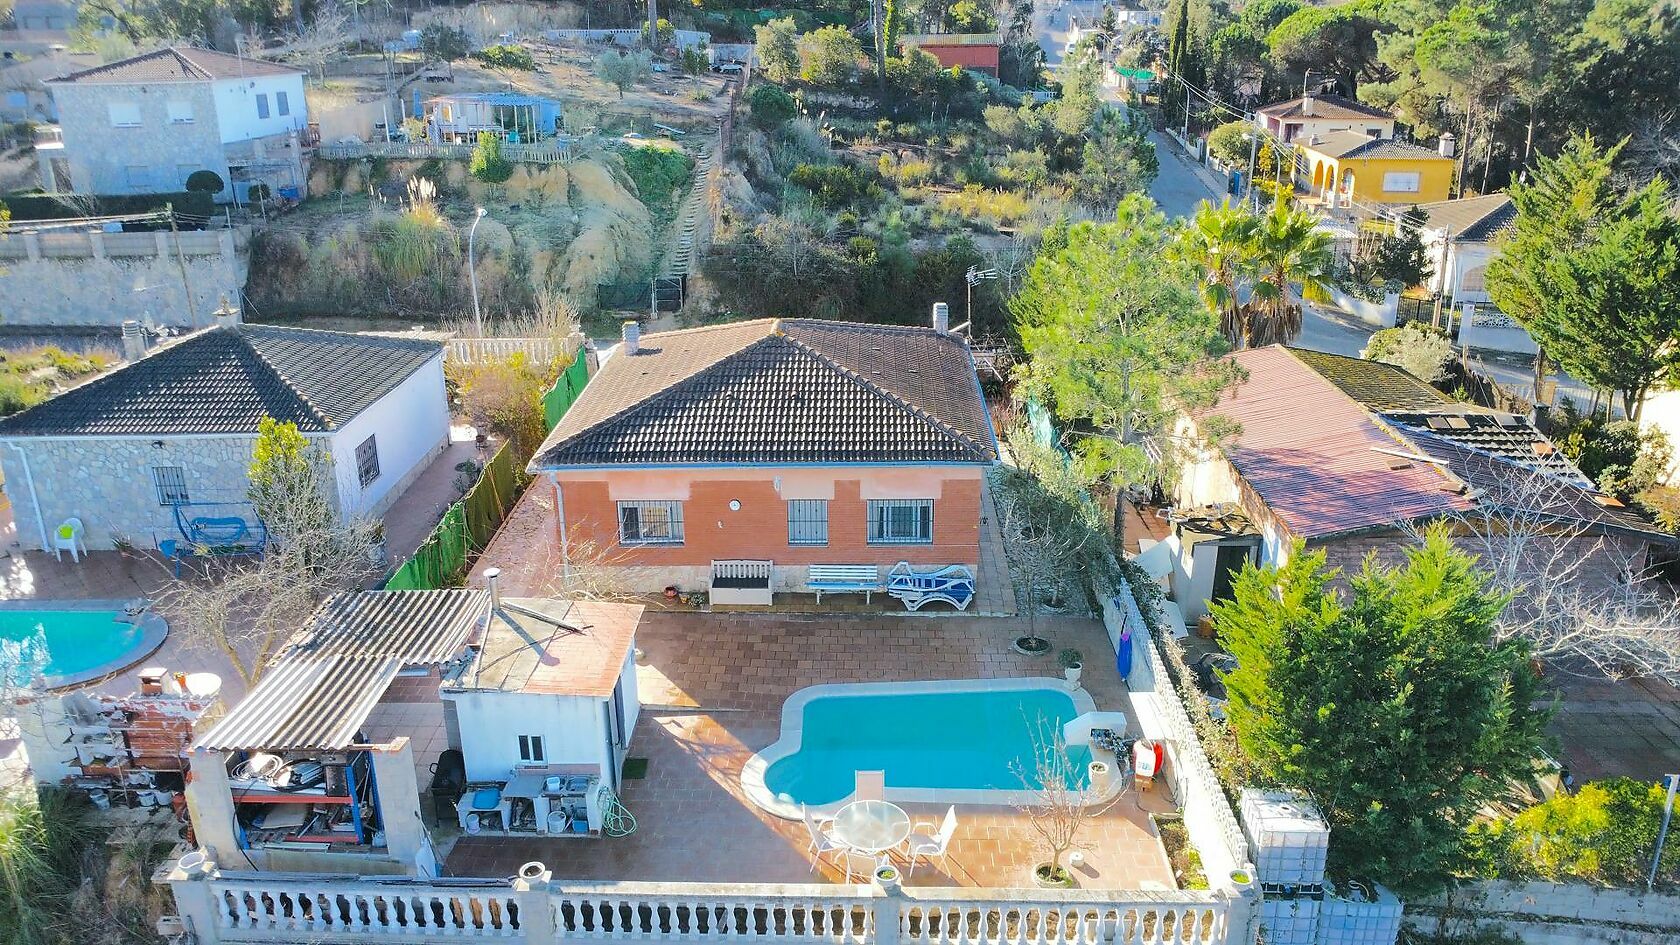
[[886, 521], [531, 749], [367, 467], [1401, 182], [180, 113], [672, 527], [124, 114], [807, 521]]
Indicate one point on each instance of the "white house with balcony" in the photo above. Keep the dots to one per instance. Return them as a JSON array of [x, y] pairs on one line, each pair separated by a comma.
[[1460, 237], [147, 123]]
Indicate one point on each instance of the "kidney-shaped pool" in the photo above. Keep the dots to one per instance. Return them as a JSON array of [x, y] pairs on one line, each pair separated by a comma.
[[969, 741], [72, 642]]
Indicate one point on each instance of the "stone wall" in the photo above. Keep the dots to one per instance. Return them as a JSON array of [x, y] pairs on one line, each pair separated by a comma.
[[1554, 913], [149, 157], [107, 483], [65, 279]]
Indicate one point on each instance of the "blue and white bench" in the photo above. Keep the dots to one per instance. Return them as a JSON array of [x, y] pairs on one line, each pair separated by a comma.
[[862, 579]]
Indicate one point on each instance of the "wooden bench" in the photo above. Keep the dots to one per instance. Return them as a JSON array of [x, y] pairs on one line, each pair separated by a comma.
[[862, 579], [741, 582]]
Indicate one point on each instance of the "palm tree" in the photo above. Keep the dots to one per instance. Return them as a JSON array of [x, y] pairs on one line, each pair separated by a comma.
[[1288, 248], [1220, 242]]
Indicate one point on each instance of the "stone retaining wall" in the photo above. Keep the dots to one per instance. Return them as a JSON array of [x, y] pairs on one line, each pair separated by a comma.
[[59, 279]]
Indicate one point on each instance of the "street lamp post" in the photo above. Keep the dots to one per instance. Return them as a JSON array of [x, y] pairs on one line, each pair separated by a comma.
[[975, 276], [472, 270], [1253, 150]]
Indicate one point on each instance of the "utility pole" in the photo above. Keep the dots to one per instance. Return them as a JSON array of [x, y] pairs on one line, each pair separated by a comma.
[[1253, 151], [1186, 109], [1662, 834]]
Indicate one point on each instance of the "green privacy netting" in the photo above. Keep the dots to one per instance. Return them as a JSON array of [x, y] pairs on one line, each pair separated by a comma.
[[470, 523], [565, 390]]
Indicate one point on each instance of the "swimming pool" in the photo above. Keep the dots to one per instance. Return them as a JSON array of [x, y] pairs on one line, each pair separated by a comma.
[[71, 642], [946, 741]]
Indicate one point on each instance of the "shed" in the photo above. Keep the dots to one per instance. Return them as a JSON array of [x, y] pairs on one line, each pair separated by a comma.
[[513, 115]]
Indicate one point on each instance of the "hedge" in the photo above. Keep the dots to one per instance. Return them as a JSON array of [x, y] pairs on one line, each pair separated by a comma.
[[39, 206]]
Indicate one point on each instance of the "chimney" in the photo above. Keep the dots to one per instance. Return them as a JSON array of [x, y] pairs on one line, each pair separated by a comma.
[[632, 336], [226, 316], [133, 341], [151, 680], [941, 318], [1448, 145], [1307, 102], [493, 576]]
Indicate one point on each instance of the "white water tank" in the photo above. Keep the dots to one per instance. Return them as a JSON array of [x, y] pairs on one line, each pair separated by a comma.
[[1289, 837]]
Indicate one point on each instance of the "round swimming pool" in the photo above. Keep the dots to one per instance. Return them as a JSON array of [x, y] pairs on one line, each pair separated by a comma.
[[72, 642]]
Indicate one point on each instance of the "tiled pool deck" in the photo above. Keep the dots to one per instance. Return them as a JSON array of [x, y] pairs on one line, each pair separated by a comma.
[[713, 686]]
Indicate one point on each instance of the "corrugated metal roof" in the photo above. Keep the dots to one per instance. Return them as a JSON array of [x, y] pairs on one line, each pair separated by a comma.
[[1310, 452], [320, 688]]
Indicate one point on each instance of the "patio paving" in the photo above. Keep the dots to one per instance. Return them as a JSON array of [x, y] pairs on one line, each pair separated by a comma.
[[712, 687]]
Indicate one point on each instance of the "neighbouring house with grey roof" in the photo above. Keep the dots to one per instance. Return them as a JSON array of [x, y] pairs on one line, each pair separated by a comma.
[[791, 443], [168, 437], [146, 123], [1461, 238]]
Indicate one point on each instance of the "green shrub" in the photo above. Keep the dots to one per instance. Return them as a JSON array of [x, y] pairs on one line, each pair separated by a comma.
[[834, 186], [205, 182], [660, 175], [506, 56], [997, 207], [488, 164], [40, 206], [1226, 143], [1604, 833], [770, 106]]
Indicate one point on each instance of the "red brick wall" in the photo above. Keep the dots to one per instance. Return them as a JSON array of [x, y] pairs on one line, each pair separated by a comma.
[[759, 529]]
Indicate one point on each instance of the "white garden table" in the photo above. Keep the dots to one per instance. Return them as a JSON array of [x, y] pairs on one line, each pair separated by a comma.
[[872, 827]]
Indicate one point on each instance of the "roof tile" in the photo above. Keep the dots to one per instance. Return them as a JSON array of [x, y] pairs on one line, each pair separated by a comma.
[[176, 64]]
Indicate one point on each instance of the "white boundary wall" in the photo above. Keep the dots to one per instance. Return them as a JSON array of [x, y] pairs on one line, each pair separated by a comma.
[[1543, 913]]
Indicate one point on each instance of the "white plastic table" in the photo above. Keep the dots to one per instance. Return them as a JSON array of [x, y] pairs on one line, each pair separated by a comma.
[[871, 826]]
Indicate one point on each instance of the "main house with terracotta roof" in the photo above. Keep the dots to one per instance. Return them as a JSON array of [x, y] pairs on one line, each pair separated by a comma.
[[145, 124], [1343, 167], [166, 439], [1344, 454], [788, 442], [1322, 115]]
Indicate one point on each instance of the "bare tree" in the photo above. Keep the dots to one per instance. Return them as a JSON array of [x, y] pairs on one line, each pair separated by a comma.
[[1062, 802], [248, 610], [315, 45], [1584, 602]]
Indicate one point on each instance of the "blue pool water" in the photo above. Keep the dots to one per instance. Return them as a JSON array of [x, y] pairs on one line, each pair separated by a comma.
[[977, 740], [63, 642]]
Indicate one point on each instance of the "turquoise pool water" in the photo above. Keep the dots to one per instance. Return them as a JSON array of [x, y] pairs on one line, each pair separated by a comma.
[[970, 740], [68, 641]]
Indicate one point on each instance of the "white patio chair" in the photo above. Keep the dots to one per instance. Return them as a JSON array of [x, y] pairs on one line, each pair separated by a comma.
[[860, 866], [69, 537], [926, 843], [822, 840], [870, 786]]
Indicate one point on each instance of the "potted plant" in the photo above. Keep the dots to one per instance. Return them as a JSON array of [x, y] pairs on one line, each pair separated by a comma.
[[1073, 663], [125, 546], [888, 877]]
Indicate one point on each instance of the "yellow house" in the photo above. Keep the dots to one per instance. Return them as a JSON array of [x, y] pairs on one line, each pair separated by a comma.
[[1373, 170]]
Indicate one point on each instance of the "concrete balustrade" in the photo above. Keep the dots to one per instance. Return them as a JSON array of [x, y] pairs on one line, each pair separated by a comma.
[[232, 907]]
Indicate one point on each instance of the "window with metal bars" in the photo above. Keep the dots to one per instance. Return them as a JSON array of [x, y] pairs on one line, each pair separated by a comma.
[[171, 483], [650, 523], [807, 521], [367, 461], [900, 521]]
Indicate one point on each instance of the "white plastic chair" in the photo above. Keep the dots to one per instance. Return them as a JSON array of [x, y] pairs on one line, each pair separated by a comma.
[[68, 537], [822, 840], [870, 786], [925, 842]]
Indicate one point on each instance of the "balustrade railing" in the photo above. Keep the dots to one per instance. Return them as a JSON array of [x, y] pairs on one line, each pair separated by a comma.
[[297, 907]]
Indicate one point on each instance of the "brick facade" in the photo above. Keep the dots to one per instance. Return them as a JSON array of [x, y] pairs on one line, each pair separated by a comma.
[[759, 528]]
